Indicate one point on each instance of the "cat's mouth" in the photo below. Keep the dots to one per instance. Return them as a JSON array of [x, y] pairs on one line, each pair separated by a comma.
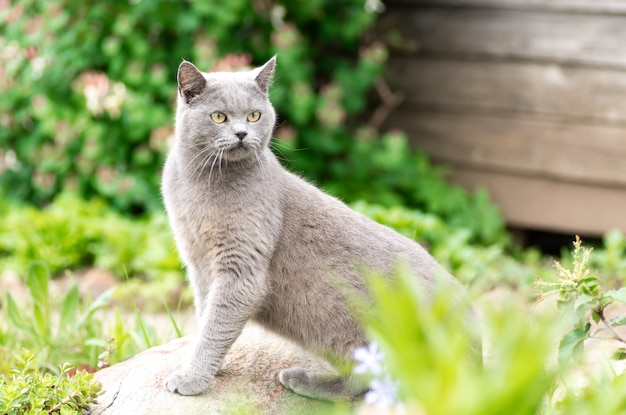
[[239, 150]]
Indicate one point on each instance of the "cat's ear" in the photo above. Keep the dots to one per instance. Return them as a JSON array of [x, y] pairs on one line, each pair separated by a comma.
[[265, 74], [190, 81]]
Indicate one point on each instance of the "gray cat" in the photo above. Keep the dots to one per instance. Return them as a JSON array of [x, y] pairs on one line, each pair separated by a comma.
[[259, 243]]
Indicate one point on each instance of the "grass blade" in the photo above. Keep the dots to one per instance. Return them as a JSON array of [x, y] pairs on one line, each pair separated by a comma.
[[102, 301], [14, 314], [172, 319], [37, 282], [69, 306]]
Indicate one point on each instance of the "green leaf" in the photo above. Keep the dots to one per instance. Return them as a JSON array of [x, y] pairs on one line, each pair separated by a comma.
[[37, 282], [618, 321], [69, 306], [572, 344], [618, 295], [102, 301], [42, 325], [582, 300], [172, 319], [619, 354], [14, 314], [596, 316]]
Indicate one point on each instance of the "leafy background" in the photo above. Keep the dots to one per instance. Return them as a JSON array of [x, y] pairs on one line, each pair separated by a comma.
[[87, 92]]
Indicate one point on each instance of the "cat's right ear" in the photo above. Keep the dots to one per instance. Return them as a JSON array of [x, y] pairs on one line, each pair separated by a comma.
[[191, 83]]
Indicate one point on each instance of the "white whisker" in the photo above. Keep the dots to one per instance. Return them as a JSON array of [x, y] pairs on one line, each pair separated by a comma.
[[205, 163], [200, 153], [258, 159], [216, 159], [221, 155]]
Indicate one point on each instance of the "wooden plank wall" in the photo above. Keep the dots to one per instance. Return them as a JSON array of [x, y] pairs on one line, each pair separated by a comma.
[[524, 97]]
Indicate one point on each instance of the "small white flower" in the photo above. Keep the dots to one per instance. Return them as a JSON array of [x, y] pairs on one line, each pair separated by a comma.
[[369, 359], [382, 393], [374, 6], [103, 360]]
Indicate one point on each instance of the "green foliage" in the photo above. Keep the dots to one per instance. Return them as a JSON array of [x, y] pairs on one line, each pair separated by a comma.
[[88, 91], [611, 259], [425, 349], [426, 342], [28, 391], [67, 329], [71, 233], [604, 397], [88, 94], [583, 300], [33, 325]]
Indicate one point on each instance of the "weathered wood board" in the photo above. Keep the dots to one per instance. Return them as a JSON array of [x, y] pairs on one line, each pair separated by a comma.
[[581, 6], [570, 38], [589, 154], [524, 97], [588, 94]]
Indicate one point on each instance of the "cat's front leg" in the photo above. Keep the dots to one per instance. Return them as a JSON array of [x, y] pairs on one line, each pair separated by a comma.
[[230, 304], [201, 291]]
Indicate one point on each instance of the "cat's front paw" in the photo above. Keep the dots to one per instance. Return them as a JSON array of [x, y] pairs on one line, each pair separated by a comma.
[[187, 383]]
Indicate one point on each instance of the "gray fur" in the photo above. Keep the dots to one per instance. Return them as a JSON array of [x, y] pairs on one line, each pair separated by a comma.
[[260, 243]]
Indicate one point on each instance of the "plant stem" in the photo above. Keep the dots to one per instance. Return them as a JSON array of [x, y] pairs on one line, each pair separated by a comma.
[[609, 326]]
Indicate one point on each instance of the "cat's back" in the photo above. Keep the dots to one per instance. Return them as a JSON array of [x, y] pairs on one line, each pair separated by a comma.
[[329, 234]]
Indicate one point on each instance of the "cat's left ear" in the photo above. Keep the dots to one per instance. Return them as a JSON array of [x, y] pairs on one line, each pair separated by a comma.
[[265, 74]]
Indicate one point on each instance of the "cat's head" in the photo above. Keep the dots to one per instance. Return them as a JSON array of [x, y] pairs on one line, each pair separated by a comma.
[[224, 115]]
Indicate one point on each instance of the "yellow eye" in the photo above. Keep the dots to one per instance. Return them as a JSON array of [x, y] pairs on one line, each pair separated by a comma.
[[254, 116], [218, 117]]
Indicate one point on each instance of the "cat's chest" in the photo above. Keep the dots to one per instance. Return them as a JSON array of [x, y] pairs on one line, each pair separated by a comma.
[[203, 220]]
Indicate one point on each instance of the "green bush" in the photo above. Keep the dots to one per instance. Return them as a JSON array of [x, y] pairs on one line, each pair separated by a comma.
[[88, 94], [72, 234], [29, 391], [88, 90]]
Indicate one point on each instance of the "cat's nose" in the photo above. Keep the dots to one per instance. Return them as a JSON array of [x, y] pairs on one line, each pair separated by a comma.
[[241, 134]]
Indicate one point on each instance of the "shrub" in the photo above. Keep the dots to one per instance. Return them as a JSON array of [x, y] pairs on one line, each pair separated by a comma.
[[29, 391], [88, 95], [88, 91], [71, 234]]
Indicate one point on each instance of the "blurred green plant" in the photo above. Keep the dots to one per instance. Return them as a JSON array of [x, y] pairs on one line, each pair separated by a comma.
[[425, 344], [582, 299], [88, 90], [27, 390], [72, 234], [88, 93], [35, 327], [423, 351], [68, 329]]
